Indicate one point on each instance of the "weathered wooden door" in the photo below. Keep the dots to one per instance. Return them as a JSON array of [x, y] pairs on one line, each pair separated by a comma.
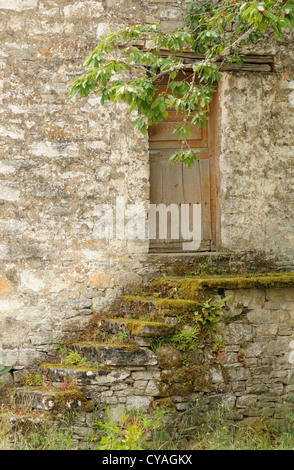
[[186, 188]]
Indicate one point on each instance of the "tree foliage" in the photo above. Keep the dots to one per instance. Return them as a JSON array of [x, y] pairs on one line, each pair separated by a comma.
[[120, 68]]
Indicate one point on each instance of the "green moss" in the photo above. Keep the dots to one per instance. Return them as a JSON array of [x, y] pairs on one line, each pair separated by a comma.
[[165, 405], [166, 305], [128, 299], [136, 322], [51, 365], [202, 378], [72, 398], [134, 326]]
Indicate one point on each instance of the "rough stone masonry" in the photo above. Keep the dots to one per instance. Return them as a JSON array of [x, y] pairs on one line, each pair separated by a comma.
[[59, 159]]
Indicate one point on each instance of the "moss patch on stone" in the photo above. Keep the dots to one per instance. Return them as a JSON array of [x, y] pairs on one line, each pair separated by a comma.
[[97, 346], [137, 327], [166, 306], [192, 288], [128, 299]]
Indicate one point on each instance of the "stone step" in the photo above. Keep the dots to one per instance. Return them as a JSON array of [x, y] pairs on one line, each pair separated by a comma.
[[163, 305], [115, 354], [197, 288], [51, 399], [56, 373], [141, 328], [139, 304]]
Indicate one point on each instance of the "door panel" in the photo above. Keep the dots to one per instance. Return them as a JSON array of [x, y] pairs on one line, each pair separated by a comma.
[[163, 136]]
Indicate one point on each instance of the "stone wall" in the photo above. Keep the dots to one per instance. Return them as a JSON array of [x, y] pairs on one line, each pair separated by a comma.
[[255, 165], [240, 365], [61, 159]]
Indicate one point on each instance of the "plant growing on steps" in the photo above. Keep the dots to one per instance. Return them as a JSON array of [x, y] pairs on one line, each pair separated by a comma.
[[204, 326], [33, 380], [72, 358], [211, 313], [187, 338], [129, 433]]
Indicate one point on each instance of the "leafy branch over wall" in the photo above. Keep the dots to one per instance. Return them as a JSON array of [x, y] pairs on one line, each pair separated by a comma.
[[129, 63]]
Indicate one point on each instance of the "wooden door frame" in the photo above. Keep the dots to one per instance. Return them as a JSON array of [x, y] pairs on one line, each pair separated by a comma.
[[213, 144]]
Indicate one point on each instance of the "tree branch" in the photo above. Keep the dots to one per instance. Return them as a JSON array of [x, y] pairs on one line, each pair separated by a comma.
[[219, 57]]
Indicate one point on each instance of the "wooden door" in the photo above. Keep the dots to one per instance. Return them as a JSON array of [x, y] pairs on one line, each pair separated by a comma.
[[183, 187]]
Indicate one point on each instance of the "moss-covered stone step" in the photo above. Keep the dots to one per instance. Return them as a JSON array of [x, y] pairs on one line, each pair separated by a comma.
[[134, 328], [164, 306], [115, 354], [51, 399], [196, 287]]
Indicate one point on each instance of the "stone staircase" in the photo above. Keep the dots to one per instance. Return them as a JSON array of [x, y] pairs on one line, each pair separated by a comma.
[[119, 370], [115, 365]]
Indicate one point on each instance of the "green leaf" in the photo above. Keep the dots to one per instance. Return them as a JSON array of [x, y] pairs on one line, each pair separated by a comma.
[[4, 369]]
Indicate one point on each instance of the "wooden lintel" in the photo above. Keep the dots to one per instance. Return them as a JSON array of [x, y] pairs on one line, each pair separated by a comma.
[[251, 63], [247, 67]]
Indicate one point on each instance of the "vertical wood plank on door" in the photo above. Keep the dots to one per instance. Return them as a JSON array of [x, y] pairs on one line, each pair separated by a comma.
[[156, 187], [156, 179], [192, 194], [204, 170], [173, 194]]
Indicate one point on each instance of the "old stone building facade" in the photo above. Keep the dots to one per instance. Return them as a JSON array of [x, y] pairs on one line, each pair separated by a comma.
[[61, 159]]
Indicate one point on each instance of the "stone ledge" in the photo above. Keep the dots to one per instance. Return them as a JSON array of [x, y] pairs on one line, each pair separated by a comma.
[[116, 354], [137, 327]]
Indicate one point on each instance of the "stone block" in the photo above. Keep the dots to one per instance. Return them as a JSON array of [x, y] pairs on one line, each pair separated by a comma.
[[247, 298], [136, 402], [256, 350], [280, 295], [259, 316], [237, 333], [266, 330], [18, 5], [86, 377], [278, 347], [152, 389], [145, 329], [5, 286], [246, 401], [116, 355], [139, 386], [168, 356]]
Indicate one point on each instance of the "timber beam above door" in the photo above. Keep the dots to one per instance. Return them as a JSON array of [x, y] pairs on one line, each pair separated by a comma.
[[251, 62]]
